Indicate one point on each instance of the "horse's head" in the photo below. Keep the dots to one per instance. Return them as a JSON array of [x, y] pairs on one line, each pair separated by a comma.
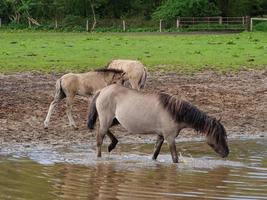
[[217, 138], [112, 76], [119, 78]]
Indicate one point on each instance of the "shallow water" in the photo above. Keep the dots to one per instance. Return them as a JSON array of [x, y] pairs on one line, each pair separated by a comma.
[[42, 172]]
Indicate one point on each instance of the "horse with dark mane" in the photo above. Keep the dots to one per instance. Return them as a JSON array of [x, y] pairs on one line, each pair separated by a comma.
[[161, 114], [83, 84]]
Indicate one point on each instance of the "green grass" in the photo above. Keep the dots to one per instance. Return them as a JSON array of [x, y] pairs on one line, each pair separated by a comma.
[[62, 52]]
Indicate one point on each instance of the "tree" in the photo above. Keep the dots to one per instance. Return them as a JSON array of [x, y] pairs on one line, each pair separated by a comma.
[[186, 8]]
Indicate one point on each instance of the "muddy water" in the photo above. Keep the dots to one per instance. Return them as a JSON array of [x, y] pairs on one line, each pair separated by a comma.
[[42, 172]]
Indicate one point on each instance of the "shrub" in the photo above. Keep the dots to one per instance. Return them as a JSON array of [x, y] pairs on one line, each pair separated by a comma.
[[261, 26]]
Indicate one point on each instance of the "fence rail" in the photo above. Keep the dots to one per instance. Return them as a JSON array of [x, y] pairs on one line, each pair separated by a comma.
[[213, 23], [181, 24]]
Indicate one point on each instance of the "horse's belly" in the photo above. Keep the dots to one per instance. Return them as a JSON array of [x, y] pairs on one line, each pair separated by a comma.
[[138, 128], [138, 125]]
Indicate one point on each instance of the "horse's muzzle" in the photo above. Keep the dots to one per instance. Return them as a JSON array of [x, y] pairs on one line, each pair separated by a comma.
[[225, 154]]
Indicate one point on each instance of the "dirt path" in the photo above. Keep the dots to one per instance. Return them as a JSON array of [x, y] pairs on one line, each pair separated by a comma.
[[240, 98]]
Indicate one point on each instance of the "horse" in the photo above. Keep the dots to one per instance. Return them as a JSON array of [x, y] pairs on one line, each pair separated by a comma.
[[83, 84], [158, 113], [134, 69]]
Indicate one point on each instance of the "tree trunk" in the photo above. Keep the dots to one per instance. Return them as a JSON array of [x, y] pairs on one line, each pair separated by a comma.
[[93, 12]]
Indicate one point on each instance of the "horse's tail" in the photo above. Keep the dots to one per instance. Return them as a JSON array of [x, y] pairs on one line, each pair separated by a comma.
[[92, 116], [142, 81], [59, 94]]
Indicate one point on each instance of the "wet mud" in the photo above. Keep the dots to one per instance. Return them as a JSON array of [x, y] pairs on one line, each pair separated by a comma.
[[239, 98]]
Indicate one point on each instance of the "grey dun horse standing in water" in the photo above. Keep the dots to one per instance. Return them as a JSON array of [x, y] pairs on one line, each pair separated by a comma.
[[83, 84], [160, 114], [134, 69]]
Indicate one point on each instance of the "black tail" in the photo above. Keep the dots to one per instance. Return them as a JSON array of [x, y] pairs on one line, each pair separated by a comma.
[[62, 93], [142, 80], [92, 116]]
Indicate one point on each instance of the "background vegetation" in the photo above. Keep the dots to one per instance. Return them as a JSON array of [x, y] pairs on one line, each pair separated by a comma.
[[104, 13], [61, 52]]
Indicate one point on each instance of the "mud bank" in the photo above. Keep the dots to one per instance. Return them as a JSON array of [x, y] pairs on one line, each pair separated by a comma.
[[239, 98]]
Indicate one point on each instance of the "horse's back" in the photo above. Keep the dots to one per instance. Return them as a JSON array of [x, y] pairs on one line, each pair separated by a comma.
[[83, 84], [126, 65], [136, 111]]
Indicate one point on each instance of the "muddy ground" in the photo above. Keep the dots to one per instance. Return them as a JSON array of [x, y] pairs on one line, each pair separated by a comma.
[[240, 98]]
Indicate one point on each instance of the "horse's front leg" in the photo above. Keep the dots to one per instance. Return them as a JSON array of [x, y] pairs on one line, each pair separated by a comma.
[[113, 139], [172, 147], [157, 147]]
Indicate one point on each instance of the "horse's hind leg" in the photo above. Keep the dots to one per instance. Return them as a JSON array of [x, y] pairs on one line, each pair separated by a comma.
[[157, 147], [69, 102], [99, 140], [51, 109], [113, 139], [134, 84], [105, 120]]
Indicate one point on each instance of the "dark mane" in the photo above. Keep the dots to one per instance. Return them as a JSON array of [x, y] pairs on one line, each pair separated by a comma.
[[106, 70], [183, 111]]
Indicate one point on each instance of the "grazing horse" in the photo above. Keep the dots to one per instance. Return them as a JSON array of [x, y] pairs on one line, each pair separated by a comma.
[[134, 69], [161, 114], [83, 84]]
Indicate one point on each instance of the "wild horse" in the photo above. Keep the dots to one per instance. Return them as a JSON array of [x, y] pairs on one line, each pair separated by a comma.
[[83, 84], [161, 114]]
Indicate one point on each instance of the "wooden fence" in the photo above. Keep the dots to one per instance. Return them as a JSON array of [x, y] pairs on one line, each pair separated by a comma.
[[213, 23], [181, 24]]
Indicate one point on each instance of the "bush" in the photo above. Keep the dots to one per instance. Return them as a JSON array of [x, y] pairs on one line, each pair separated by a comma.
[[73, 21], [185, 8], [16, 26], [261, 26]]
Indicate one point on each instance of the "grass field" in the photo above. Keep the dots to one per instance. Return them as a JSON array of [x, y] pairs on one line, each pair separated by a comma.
[[57, 52]]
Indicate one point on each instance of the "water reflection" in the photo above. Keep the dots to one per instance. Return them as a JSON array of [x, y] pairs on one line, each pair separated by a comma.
[[22, 178]]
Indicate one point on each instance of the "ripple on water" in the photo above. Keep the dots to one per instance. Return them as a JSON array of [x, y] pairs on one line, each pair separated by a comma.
[[131, 174]]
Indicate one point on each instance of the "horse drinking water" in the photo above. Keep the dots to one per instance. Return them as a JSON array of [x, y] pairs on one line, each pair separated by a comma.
[[160, 114], [83, 84]]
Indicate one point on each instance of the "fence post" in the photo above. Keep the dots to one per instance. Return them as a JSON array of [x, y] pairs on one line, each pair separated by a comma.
[[251, 24], [0, 22], [220, 20], [87, 25], [178, 23], [123, 25], [56, 23], [160, 23], [247, 23]]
